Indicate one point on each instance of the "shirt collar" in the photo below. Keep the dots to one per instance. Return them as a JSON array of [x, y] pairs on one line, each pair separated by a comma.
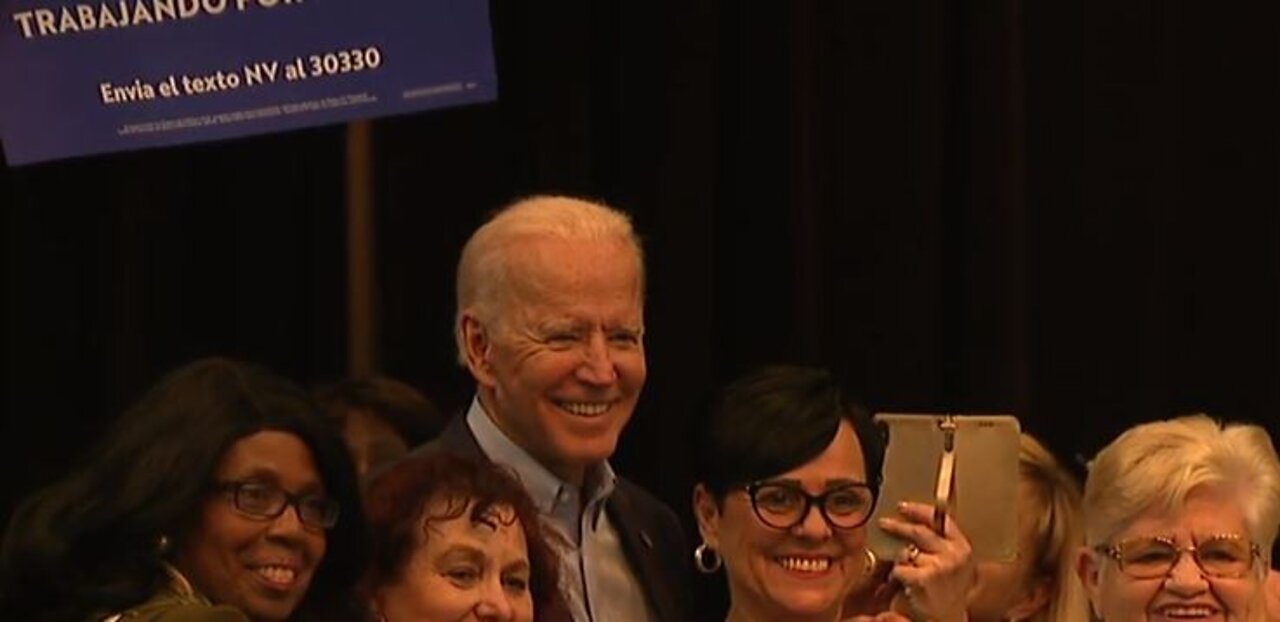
[[547, 490], [178, 583]]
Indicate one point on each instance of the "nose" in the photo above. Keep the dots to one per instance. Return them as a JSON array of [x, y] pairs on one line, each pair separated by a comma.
[[597, 366], [1186, 577], [495, 603], [814, 525], [288, 524]]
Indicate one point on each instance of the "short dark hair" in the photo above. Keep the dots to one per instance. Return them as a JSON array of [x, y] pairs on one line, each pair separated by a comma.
[[87, 545], [777, 418], [405, 408], [396, 502]]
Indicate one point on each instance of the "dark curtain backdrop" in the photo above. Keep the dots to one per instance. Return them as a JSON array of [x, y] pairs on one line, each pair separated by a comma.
[[1063, 210]]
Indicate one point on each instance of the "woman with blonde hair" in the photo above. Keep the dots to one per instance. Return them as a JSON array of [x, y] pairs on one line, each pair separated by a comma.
[[1040, 585]]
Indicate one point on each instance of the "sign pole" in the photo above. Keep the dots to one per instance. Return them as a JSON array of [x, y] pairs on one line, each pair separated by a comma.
[[362, 350]]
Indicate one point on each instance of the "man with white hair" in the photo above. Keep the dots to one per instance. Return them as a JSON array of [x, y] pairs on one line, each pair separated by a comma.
[[550, 323]]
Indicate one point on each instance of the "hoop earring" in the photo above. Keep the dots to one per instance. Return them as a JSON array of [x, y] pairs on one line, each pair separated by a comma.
[[700, 560], [163, 544], [869, 557]]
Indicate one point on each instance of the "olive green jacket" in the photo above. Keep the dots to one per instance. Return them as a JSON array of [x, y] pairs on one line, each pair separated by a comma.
[[179, 602]]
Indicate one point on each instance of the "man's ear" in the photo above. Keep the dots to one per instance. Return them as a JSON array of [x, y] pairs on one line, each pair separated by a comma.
[[477, 343], [707, 511], [1087, 568]]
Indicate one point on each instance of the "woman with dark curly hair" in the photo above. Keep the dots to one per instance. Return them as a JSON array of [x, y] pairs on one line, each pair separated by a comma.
[[223, 494], [457, 539]]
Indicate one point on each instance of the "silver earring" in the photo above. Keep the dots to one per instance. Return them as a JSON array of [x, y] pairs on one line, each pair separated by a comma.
[[163, 544], [701, 561]]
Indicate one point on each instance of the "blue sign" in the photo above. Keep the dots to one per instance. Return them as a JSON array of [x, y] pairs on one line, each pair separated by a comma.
[[89, 77]]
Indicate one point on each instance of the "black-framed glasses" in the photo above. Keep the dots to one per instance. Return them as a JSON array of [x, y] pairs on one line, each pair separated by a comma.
[[265, 501], [1226, 556], [783, 506]]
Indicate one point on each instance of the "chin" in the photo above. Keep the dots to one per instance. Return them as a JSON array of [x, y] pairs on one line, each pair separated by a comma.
[[262, 614], [588, 450], [270, 611], [806, 604]]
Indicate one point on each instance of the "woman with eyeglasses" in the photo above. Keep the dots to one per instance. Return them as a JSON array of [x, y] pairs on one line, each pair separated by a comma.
[[788, 482], [223, 494], [1180, 516]]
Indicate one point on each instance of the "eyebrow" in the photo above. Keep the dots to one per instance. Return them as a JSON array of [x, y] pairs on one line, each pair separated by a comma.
[[266, 475], [520, 565], [1196, 538], [830, 484], [583, 324], [461, 552], [561, 323]]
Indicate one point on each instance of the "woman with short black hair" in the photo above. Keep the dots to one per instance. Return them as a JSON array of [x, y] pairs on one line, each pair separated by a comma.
[[789, 480]]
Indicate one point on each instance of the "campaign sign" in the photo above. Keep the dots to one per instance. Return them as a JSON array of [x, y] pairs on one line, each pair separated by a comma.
[[85, 77]]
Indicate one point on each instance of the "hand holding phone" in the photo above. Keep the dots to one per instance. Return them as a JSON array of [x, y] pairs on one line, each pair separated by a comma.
[[966, 467]]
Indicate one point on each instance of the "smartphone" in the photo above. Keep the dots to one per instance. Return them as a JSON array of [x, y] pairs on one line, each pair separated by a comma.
[[983, 496]]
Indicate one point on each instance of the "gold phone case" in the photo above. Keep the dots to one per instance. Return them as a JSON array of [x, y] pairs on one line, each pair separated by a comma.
[[982, 469]]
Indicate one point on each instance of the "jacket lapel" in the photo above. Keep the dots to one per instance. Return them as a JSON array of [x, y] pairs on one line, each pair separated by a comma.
[[639, 547]]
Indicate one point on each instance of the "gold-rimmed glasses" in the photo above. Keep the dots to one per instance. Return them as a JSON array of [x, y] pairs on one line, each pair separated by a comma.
[[1226, 556]]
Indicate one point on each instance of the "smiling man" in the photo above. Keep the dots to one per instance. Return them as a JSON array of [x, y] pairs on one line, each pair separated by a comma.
[[550, 323]]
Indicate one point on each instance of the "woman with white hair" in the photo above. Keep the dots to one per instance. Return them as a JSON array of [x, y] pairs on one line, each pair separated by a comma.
[[1180, 516]]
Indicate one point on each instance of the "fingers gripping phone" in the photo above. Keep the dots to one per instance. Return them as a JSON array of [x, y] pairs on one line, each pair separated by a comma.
[[965, 465]]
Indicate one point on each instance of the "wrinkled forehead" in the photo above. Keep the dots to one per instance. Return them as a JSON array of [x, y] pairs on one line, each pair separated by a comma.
[[551, 261], [599, 284], [1204, 511]]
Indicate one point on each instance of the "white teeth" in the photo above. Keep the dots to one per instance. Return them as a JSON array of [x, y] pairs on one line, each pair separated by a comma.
[[588, 409], [277, 574], [805, 564], [1187, 612]]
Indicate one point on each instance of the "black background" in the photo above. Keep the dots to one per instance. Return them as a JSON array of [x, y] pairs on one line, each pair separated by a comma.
[[1062, 210]]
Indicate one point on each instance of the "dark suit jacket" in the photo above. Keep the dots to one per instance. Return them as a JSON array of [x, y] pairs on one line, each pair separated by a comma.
[[650, 532]]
